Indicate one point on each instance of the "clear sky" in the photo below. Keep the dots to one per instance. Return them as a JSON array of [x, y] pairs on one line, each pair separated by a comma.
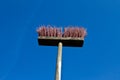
[[21, 58]]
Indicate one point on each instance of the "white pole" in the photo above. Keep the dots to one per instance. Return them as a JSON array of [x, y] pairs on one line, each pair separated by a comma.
[[59, 62]]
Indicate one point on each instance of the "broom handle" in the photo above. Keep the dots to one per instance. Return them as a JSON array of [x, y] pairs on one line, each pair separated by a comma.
[[59, 62]]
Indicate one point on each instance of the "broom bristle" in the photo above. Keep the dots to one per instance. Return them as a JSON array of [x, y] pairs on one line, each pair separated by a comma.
[[49, 31]]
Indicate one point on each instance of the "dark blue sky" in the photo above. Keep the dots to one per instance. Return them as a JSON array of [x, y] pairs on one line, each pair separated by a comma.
[[22, 59]]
